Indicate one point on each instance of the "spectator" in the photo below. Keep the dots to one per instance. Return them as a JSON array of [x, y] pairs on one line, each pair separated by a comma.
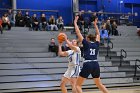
[[53, 47], [108, 27], [60, 23], [27, 19], [138, 32], [52, 24], [81, 21], [87, 22], [11, 17], [93, 17], [19, 19], [43, 22], [35, 22], [100, 20], [104, 34], [6, 21], [1, 26], [114, 29]]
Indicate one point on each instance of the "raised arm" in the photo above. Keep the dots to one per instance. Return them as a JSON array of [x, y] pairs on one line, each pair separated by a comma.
[[97, 30], [77, 30], [60, 52], [72, 47]]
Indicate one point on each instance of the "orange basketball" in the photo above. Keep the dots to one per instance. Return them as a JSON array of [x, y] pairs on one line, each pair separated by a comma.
[[61, 37]]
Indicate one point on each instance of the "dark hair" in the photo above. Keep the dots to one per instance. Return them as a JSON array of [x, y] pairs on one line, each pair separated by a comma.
[[52, 38], [77, 15], [92, 37], [95, 17]]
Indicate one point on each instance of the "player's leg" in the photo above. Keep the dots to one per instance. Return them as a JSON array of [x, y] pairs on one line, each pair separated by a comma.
[[85, 72], [100, 85], [73, 84], [96, 77], [79, 82], [64, 81]]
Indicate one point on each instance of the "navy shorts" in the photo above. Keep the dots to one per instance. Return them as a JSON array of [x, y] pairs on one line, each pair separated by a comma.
[[92, 68]]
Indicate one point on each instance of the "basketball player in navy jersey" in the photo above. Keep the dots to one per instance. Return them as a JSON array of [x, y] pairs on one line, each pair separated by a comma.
[[90, 51]]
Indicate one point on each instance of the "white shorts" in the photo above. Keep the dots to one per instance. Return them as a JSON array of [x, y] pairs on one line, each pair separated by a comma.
[[72, 72]]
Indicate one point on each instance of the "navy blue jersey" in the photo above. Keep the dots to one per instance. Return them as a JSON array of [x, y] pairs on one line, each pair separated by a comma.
[[90, 49]]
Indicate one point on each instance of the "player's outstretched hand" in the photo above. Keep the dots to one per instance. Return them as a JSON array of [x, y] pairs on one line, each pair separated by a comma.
[[60, 44], [76, 19]]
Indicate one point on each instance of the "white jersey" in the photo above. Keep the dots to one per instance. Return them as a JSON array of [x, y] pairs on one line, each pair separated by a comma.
[[74, 63], [74, 57]]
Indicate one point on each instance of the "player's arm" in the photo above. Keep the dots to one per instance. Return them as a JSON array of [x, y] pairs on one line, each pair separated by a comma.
[[80, 37], [97, 30], [60, 52], [69, 43]]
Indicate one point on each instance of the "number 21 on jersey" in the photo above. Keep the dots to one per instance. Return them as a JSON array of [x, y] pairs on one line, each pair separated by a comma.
[[92, 52]]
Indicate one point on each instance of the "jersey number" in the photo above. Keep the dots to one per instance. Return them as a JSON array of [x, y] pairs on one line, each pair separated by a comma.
[[92, 52], [70, 59]]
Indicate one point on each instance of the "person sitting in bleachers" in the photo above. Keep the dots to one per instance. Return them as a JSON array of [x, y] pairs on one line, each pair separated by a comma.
[[52, 46], [19, 19], [138, 32], [35, 22], [104, 35], [52, 24], [1, 30], [93, 17], [81, 21], [11, 17], [6, 21], [114, 29], [43, 23], [60, 23], [108, 27], [27, 20]]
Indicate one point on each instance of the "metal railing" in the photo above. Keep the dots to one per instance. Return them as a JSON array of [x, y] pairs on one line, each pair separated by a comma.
[[32, 10], [108, 47], [122, 56], [137, 66], [109, 13]]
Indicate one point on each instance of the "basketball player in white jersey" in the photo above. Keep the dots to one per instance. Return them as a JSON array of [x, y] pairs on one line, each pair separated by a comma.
[[73, 70]]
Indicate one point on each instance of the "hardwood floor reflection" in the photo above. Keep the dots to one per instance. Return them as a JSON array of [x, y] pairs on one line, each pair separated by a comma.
[[119, 90]]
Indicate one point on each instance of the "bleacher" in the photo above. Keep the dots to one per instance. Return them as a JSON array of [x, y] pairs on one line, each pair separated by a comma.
[[26, 65]]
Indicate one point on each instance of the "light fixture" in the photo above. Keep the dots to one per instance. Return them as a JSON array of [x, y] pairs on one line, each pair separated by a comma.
[[136, 14], [121, 2]]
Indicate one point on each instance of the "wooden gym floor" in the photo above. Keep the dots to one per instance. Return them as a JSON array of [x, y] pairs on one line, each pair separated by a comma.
[[119, 90], [135, 89]]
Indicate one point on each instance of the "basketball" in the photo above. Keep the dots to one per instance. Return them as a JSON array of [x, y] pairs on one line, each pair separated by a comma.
[[61, 37]]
